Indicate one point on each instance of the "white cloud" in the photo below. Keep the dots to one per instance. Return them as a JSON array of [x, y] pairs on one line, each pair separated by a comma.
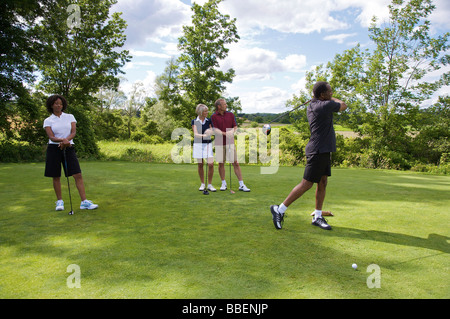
[[439, 17], [339, 38], [148, 84], [137, 53], [268, 99], [259, 64], [171, 49], [152, 19], [369, 9], [287, 16], [134, 65], [301, 16], [299, 86]]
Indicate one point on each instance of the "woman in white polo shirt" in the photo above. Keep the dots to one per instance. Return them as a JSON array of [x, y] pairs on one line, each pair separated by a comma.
[[61, 129]]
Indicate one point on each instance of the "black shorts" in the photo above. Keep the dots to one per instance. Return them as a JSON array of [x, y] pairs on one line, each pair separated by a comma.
[[55, 159], [317, 165]]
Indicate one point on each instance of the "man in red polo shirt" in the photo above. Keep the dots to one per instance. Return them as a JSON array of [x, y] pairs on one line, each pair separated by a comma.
[[226, 122]]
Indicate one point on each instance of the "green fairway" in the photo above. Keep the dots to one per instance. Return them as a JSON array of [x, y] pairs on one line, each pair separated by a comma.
[[156, 236]]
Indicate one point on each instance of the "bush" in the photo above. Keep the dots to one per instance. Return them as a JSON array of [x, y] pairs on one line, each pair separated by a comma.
[[12, 151], [137, 136], [292, 147], [152, 139], [147, 139], [137, 155]]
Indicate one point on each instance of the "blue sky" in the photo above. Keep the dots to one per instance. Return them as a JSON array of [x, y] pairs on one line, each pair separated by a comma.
[[280, 41]]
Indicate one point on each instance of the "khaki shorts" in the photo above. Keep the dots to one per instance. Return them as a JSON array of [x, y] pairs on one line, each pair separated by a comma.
[[225, 153]]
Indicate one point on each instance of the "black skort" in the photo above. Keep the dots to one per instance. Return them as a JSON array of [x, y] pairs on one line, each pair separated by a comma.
[[55, 159]]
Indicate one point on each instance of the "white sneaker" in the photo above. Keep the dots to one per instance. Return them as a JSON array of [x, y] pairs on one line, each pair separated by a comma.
[[59, 205], [211, 188], [87, 204], [202, 187], [223, 187], [244, 188]]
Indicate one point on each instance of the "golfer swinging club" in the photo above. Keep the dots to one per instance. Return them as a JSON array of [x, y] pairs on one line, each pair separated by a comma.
[[318, 154]]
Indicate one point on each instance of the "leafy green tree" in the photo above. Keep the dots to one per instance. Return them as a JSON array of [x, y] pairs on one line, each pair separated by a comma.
[[167, 85], [203, 46], [78, 55], [132, 107], [20, 111], [432, 143], [77, 60]]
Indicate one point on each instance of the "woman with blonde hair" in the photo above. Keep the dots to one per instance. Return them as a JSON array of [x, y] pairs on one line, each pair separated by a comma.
[[203, 129]]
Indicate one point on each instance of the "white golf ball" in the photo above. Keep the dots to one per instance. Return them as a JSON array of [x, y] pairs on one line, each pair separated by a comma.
[[354, 266]]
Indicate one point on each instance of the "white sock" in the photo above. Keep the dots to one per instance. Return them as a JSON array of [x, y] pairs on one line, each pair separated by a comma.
[[241, 183], [317, 214], [224, 182], [282, 208]]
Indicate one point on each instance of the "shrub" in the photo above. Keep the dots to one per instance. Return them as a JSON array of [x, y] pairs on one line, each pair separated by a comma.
[[12, 151], [152, 139], [138, 136]]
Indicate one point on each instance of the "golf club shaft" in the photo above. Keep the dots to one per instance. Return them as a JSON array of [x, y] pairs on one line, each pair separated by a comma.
[[229, 154], [67, 175], [205, 179], [286, 113]]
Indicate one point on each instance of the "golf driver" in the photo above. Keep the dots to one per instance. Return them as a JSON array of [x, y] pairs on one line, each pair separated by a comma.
[[267, 128], [68, 184]]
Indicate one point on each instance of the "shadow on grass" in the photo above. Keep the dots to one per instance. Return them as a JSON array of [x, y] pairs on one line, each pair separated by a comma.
[[433, 242]]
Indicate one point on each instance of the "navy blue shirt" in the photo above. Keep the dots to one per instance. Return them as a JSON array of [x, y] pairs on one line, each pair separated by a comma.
[[320, 118], [201, 129]]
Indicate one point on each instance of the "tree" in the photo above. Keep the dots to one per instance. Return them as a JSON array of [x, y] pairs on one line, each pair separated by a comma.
[[167, 84], [432, 143], [107, 116], [203, 46], [19, 110], [385, 88], [136, 101], [109, 99], [77, 58]]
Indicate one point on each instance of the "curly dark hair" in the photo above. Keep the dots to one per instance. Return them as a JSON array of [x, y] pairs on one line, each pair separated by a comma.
[[52, 99], [319, 88]]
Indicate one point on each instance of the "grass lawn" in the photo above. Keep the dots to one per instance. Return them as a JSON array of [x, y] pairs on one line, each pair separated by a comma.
[[156, 236]]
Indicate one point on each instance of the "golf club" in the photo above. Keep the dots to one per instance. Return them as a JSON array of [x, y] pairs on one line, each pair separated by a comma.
[[68, 184], [229, 153], [205, 191], [267, 128]]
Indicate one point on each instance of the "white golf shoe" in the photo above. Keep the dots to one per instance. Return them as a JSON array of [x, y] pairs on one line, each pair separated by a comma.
[[87, 204], [59, 205], [244, 188]]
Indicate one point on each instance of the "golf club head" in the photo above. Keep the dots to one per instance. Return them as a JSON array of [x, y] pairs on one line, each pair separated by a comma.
[[205, 192], [266, 129], [71, 212]]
